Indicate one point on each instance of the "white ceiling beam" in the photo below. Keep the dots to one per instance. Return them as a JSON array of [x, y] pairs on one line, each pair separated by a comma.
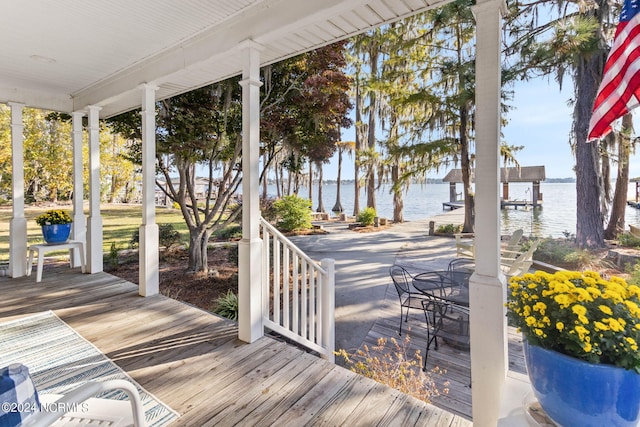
[[37, 99]]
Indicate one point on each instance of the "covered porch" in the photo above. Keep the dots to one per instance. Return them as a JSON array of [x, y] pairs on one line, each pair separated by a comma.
[[99, 59]]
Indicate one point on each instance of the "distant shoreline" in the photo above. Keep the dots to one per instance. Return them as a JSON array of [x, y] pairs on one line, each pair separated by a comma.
[[437, 181]]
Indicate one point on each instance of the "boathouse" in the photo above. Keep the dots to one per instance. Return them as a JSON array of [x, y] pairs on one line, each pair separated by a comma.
[[532, 174]]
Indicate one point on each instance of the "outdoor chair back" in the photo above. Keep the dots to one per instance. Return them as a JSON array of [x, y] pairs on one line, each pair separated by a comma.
[[521, 264], [402, 281]]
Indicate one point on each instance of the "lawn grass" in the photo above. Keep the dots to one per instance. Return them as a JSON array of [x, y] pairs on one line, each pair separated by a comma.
[[118, 221]]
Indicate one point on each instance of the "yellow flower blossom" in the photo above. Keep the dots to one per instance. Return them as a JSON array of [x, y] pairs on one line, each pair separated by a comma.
[[605, 309], [600, 326], [562, 299], [579, 310], [559, 326], [540, 307]]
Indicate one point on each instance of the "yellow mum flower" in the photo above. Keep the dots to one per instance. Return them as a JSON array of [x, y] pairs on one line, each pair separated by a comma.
[[600, 326], [563, 300], [605, 309], [633, 290], [560, 326], [595, 292], [539, 332], [579, 310], [633, 308], [530, 321], [540, 306], [587, 347], [581, 331], [583, 295]]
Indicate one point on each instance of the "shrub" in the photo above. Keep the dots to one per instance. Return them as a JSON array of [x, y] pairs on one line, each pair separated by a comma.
[[167, 236], [292, 213], [113, 255], [449, 228], [232, 255], [366, 216], [628, 240], [562, 253], [395, 368], [227, 305], [229, 232]]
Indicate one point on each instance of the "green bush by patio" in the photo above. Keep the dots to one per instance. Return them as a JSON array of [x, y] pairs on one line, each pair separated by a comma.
[[293, 213]]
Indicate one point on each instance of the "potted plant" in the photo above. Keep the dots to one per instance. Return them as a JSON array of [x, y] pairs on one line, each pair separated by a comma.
[[56, 226], [582, 334]]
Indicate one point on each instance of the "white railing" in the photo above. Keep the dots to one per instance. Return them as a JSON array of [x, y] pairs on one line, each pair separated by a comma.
[[299, 294]]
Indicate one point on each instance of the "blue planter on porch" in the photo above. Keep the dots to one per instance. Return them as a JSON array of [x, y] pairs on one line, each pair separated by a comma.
[[56, 233], [576, 393]]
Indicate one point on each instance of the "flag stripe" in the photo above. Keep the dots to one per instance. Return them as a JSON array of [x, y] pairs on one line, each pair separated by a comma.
[[621, 51], [619, 90]]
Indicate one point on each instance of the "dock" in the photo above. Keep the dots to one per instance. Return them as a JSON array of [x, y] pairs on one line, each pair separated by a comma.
[[505, 204], [633, 204], [519, 204], [452, 205]]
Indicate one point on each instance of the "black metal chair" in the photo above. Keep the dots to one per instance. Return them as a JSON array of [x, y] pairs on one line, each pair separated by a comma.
[[446, 320], [402, 281]]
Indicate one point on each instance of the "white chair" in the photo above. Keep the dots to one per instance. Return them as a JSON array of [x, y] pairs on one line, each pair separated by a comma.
[[521, 263], [465, 245], [23, 405]]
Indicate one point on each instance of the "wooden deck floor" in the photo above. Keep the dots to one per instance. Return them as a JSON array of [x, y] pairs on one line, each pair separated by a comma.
[[193, 362]]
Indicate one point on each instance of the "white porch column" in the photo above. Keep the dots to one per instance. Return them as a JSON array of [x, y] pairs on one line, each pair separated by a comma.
[[79, 220], [18, 223], [94, 230], [149, 277], [250, 247], [489, 355]]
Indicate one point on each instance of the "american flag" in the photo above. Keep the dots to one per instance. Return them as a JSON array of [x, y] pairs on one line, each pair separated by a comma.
[[619, 90]]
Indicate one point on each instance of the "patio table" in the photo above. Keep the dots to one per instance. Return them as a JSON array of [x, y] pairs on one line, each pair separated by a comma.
[[448, 312], [451, 286]]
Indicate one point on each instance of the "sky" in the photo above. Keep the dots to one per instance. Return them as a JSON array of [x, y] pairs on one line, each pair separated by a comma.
[[540, 121]]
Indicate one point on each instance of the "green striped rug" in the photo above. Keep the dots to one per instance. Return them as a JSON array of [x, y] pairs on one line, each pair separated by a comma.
[[59, 359]]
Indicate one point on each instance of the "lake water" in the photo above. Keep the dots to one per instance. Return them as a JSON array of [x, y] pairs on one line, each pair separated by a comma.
[[557, 216]]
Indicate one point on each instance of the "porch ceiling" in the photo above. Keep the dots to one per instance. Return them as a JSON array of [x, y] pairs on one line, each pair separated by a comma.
[[69, 54]]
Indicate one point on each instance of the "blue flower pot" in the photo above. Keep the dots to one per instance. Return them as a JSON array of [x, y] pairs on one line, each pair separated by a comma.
[[577, 393], [55, 234]]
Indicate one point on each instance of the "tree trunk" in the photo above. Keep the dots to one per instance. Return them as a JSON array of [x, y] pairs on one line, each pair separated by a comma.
[[371, 134], [589, 221], [320, 177], [465, 166], [337, 207], [398, 201], [619, 204], [310, 181], [264, 176], [198, 240], [358, 147]]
